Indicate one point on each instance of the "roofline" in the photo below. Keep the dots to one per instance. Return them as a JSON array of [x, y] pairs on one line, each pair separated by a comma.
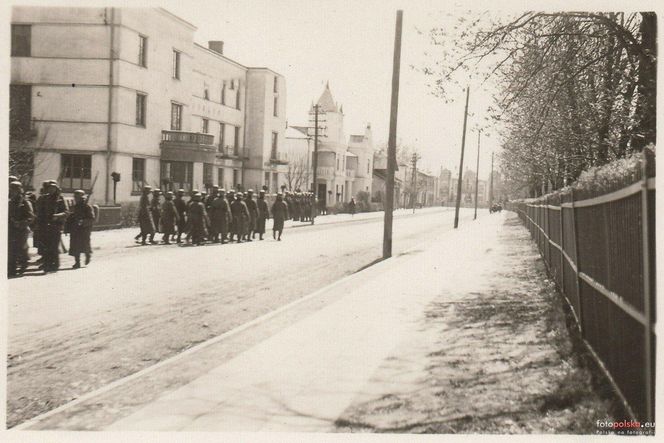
[[222, 56], [266, 69], [176, 18]]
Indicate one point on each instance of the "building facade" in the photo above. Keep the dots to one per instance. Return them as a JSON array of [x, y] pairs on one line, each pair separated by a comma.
[[344, 165], [96, 91]]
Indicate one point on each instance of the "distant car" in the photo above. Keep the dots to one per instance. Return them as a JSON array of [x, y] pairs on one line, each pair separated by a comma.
[[496, 207]]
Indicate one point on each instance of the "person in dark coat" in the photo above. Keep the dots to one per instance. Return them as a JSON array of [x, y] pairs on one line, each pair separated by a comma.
[[279, 215], [181, 208], [145, 215], [240, 217], [263, 214], [351, 206], [169, 218], [50, 219], [155, 210], [36, 239], [253, 215], [213, 195], [198, 220], [220, 218], [79, 227], [287, 199], [230, 197], [20, 216]]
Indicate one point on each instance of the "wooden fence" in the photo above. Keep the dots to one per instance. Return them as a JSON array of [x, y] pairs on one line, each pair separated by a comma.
[[600, 251]]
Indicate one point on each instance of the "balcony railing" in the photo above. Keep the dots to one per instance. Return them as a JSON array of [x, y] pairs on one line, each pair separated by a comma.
[[233, 152], [182, 137], [350, 172], [325, 171], [279, 158]]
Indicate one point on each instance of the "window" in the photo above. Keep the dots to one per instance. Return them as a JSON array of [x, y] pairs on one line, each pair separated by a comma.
[[143, 51], [338, 162], [205, 126], [137, 175], [177, 175], [368, 165], [267, 180], [220, 177], [76, 172], [236, 177], [140, 109], [208, 176], [274, 89], [275, 180], [273, 154], [176, 64], [232, 85], [237, 97], [275, 106], [223, 93], [222, 136], [206, 93], [20, 111], [21, 40], [236, 145], [176, 117]]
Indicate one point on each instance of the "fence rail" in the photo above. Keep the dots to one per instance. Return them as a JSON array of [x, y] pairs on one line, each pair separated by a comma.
[[600, 251]]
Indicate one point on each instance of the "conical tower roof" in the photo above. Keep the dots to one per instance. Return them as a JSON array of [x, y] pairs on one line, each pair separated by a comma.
[[326, 102]]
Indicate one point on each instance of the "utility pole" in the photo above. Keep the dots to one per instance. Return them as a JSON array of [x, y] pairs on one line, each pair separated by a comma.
[[477, 171], [392, 141], [491, 184], [463, 146], [413, 192], [316, 113]]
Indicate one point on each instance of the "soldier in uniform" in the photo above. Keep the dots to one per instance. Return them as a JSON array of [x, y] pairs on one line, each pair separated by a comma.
[[169, 218], [240, 217], [225, 221], [263, 214], [50, 219], [253, 215], [198, 220], [287, 199], [230, 197], [279, 215], [145, 215], [20, 216], [295, 215], [181, 208], [79, 227], [36, 238], [215, 213], [155, 210], [211, 198]]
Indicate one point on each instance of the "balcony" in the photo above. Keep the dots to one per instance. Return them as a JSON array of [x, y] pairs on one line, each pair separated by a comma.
[[325, 172], [278, 158], [232, 152], [187, 146]]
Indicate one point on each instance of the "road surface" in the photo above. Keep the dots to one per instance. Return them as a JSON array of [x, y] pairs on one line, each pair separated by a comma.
[[75, 331]]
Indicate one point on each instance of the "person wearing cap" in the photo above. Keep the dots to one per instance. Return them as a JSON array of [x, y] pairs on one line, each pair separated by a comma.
[[13, 178], [155, 210], [213, 195], [240, 215], [219, 214], [51, 217], [230, 197], [262, 215], [36, 235], [181, 208], [169, 218], [198, 220], [279, 215], [145, 215], [253, 215], [20, 215], [79, 227], [288, 201]]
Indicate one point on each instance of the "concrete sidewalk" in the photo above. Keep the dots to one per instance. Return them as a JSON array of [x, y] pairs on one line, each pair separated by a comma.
[[303, 377]]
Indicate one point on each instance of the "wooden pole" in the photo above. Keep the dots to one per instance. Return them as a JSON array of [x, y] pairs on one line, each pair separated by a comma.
[[315, 165], [477, 172], [392, 141], [647, 342], [463, 146]]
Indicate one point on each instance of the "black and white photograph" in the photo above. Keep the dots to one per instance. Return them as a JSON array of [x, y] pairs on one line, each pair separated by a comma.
[[329, 220]]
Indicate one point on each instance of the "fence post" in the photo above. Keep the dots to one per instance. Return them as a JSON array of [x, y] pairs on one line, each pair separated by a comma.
[[577, 263], [562, 248], [646, 288]]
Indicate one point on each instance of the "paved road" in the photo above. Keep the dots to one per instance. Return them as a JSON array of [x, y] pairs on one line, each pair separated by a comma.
[[72, 332]]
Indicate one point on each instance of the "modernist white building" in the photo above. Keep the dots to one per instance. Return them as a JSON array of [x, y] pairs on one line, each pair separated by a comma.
[[345, 165], [127, 90]]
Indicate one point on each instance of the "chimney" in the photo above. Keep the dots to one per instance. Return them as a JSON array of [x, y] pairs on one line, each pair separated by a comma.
[[216, 46]]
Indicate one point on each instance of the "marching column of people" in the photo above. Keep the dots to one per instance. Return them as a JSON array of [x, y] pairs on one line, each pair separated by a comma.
[[221, 217]]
